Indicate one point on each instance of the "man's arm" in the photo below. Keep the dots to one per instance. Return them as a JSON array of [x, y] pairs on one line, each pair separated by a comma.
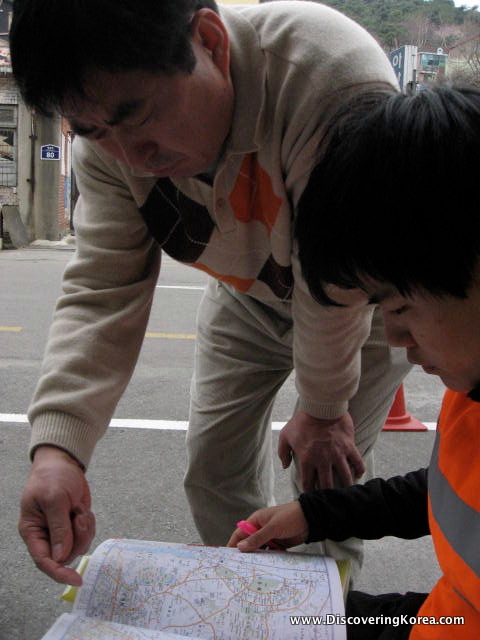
[[327, 342], [327, 355], [100, 320], [345, 62], [95, 338]]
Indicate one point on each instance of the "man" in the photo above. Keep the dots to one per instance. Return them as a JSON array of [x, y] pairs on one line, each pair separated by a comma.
[[197, 129], [427, 283]]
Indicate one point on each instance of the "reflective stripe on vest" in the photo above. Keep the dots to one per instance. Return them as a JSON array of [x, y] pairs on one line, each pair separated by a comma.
[[454, 517], [459, 523]]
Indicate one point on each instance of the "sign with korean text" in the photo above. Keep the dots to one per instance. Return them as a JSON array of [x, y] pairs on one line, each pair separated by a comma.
[[49, 152]]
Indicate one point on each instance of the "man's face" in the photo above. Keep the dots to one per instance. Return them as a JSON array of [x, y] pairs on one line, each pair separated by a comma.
[[440, 334], [165, 125]]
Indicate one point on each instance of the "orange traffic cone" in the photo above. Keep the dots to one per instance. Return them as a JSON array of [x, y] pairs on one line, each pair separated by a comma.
[[399, 419]]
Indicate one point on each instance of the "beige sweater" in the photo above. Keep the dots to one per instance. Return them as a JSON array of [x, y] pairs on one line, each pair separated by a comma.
[[292, 63]]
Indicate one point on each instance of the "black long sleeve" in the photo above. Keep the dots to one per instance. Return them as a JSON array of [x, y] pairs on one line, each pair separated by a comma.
[[395, 507]]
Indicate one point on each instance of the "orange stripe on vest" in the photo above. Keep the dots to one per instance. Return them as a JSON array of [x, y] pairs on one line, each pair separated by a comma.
[[464, 442], [443, 602]]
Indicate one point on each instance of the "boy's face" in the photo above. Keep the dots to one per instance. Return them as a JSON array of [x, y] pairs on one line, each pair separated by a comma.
[[440, 334]]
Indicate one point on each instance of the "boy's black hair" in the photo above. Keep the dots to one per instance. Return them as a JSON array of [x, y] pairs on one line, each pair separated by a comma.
[[394, 196], [55, 43]]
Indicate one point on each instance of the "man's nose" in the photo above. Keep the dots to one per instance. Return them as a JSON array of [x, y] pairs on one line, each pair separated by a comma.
[[133, 150]]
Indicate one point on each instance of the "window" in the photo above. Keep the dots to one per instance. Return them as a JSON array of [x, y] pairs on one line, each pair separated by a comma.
[[8, 146]]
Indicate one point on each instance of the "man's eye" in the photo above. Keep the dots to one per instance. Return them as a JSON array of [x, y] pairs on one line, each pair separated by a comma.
[[86, 132], [97, 135], [142, 122]]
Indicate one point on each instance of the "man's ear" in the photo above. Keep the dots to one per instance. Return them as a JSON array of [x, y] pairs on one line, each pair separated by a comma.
[[209, 31]]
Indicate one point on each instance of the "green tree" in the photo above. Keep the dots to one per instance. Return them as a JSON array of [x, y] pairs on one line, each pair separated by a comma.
[[390, 21]]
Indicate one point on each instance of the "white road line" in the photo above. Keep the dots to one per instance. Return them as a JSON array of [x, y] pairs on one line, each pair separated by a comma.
[[13, 417], [165, 425], [174, 286]]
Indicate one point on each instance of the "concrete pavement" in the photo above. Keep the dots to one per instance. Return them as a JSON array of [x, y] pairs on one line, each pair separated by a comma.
[[136, 480], [136, 474]]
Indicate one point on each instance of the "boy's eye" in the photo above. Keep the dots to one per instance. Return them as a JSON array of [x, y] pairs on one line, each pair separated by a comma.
[[399, 310]]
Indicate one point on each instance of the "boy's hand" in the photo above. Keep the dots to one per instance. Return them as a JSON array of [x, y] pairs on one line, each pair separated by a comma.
[[285, 524]]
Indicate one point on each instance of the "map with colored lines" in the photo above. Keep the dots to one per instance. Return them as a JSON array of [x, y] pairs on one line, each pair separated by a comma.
[[216, 593]]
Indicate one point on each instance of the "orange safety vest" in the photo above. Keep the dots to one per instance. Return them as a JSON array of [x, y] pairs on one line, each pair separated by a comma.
[[454, 517]]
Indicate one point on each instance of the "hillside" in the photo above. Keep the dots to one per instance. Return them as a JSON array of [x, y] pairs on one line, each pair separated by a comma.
[[428, 24]]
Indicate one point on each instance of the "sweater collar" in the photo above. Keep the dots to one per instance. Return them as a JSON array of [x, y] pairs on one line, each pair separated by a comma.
[[247, 66]]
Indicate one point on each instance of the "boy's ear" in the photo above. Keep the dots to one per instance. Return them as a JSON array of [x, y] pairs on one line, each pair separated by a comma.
[[209, 31]]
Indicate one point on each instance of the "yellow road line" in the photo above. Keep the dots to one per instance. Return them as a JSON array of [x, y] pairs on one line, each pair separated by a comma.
[[171, 336], [150, 334]]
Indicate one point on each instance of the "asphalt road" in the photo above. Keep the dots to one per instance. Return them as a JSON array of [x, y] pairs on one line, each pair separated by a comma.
[[136, 473]]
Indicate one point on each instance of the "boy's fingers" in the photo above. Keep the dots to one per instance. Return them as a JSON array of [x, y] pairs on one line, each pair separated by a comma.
[[236, 537], [255, 541]]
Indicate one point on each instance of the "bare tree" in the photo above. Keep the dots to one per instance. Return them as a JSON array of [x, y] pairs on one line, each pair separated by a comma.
[[419, 31], [464, 60]]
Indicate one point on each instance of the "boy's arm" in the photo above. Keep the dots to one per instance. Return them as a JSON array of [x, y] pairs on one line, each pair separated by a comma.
[[395, 507], [379, 508]]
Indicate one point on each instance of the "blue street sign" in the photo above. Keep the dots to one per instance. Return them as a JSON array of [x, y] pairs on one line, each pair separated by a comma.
[[49, 152], [397, 59]]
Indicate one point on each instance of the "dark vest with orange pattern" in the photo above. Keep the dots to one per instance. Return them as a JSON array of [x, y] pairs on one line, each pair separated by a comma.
[[454, 517]]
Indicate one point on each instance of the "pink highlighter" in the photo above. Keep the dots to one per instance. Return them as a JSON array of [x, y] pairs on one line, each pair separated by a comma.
[[249, 528]]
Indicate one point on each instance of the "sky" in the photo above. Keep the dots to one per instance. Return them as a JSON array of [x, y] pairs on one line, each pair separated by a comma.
[[466, 3]]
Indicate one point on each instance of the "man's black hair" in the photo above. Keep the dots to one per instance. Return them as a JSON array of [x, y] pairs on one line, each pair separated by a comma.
[[394, 196], [55, 43]]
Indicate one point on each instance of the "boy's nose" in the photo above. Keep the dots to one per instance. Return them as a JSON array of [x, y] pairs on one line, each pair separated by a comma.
[[398, 335]]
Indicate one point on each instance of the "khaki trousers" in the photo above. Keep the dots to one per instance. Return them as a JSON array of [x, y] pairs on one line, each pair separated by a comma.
[[243, 355]]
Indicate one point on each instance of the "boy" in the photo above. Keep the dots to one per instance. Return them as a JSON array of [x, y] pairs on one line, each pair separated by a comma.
[[418, 259]]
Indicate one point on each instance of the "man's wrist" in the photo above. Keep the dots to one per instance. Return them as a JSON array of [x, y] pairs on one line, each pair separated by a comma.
[[321, 411], [322, 421], [45, 452]]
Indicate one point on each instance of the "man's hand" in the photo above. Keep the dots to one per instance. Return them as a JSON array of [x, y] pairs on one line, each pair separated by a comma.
[[321, 448], [285, 525], [56, 522]]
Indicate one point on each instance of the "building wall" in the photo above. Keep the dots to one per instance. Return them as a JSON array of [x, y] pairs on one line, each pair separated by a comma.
[[40, 188], [25, 175], [8, 140], [64, 195]]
